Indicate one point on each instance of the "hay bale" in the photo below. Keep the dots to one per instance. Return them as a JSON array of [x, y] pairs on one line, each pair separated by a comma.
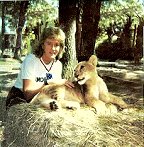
[[30, 126]]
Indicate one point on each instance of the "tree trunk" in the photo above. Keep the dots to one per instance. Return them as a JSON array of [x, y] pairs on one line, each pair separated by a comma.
[[23, 8], [67, 21], [134, 36], [138, 52], [126, 49], [3, 28], [90, 20], [79, 28]]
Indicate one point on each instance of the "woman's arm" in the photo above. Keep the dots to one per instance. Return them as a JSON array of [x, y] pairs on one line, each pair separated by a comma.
[[61, 81], [29, 89]]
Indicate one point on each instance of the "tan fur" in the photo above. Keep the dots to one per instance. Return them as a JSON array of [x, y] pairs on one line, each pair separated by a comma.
[[89, 89]]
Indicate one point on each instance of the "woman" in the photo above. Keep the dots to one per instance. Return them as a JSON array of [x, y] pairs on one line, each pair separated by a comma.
[[40, 68]]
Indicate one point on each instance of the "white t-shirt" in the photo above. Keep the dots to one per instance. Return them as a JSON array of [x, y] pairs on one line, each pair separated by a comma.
[[33, 69]]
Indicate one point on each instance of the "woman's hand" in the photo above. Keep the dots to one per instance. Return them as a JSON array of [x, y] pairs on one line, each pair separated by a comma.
[[69, 84]]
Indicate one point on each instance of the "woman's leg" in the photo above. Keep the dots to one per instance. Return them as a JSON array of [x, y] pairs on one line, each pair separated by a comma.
[[15, 96]]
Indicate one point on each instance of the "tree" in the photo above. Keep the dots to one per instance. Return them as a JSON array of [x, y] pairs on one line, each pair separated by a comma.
[[3, 27], [23, 5], [138, 50], [79, 29], [67, 21], [90, 20], [69, 13], [124, 17]]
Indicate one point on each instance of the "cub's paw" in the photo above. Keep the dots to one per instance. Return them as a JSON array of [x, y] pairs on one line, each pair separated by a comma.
[[53, 105], [111, 109], [101, 111], [106, 109], [50, 104], [100, 107]]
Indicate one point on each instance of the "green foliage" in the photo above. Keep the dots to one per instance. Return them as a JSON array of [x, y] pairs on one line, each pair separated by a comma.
[[117, 11], [41, 12]]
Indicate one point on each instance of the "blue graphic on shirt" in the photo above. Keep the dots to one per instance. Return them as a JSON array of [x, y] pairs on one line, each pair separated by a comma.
[[42, 79], [49, 76]]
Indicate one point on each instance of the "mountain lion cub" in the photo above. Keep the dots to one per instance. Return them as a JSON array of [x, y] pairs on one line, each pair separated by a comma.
[[89, 89]]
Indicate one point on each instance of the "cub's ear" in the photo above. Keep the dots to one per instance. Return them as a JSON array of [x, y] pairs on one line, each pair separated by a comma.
[[93, 60]]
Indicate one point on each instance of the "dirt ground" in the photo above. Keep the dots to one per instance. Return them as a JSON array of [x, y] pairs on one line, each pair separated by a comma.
[[8, 73], [131, 91]]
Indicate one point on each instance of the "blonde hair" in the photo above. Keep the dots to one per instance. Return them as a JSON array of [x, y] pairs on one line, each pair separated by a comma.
[[51, 33]]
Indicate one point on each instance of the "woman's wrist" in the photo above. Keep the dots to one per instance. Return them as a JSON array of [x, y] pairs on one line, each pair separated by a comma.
[[54, 81], [45, 82]]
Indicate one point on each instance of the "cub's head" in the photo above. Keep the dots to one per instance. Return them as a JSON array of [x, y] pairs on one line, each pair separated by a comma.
[[86, 70]]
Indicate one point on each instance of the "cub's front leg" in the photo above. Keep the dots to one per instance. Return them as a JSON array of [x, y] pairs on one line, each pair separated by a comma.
[[46, 102], [50, 97]]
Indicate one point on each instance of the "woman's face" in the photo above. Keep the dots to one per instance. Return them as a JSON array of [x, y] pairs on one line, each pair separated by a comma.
[[51, 48]]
